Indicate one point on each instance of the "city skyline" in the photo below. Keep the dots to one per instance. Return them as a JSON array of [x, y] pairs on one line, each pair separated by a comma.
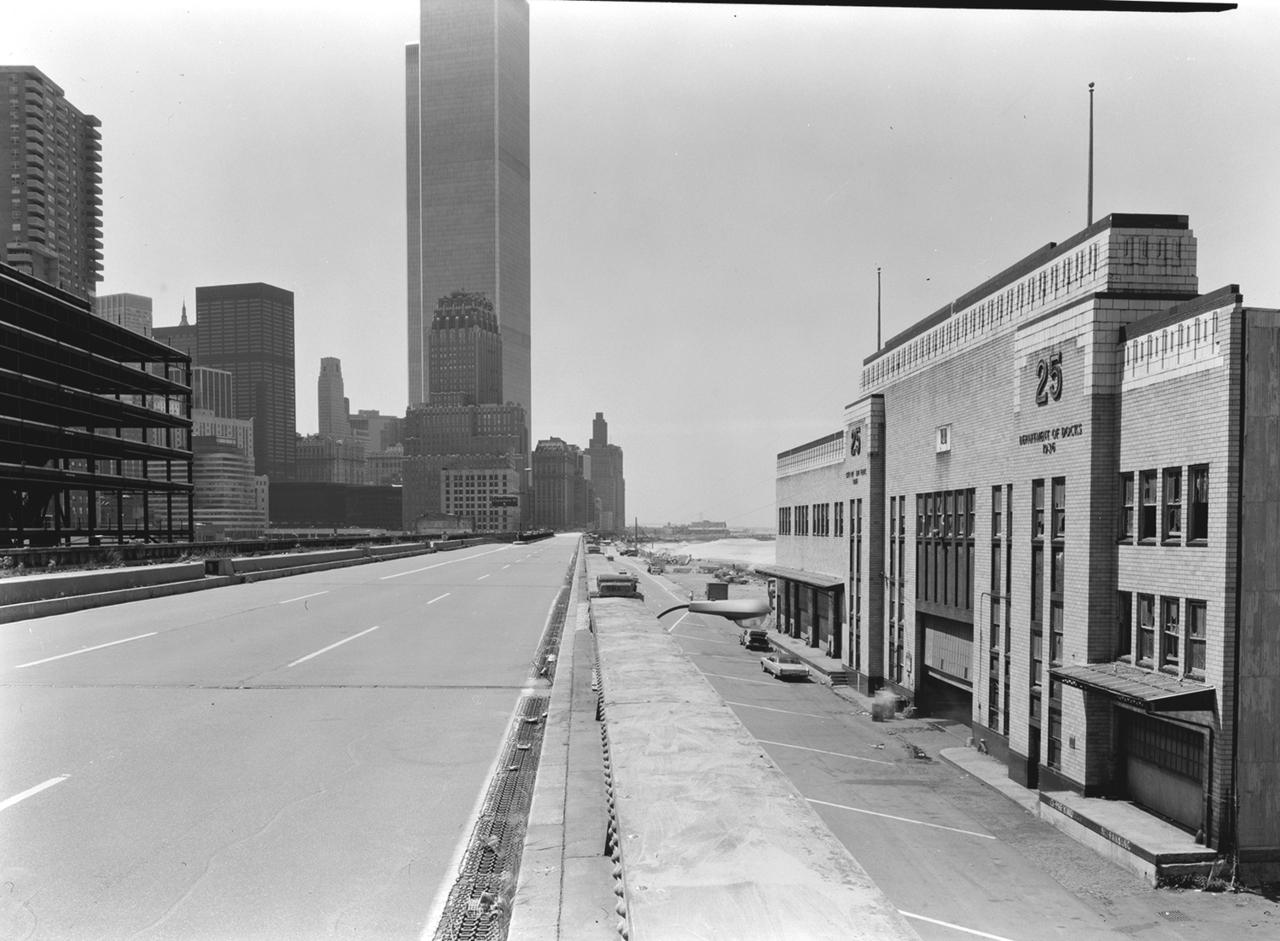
[[729, 208]]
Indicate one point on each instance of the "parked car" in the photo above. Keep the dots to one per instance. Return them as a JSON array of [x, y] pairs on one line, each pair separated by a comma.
[[784, 666], [754, 638], [656, 568], [593, 550]]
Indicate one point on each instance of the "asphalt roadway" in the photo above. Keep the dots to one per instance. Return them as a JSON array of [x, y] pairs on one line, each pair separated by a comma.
[[955, 857], [293, 758]]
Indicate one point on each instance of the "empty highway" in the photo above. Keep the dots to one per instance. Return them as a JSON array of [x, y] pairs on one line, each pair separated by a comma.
[[291, 758]]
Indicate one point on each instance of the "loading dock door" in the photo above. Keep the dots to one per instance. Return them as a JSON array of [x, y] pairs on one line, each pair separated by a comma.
[[1164, 767]]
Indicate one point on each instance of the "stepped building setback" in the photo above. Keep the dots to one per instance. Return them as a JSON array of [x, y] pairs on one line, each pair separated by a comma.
[[1048, 515]]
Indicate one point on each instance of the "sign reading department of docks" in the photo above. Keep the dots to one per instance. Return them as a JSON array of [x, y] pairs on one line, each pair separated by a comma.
[[1048, 438]]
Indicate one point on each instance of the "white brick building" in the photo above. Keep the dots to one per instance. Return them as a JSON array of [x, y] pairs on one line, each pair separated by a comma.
[[1055, 511]]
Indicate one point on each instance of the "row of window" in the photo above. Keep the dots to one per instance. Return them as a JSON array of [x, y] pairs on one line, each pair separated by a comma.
[[1170, 633], [1169, 516], [827, 519]]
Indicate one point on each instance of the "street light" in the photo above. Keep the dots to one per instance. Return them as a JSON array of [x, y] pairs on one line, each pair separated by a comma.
[[734, 609]]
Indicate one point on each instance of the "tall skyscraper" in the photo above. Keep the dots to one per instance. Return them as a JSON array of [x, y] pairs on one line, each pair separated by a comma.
[[51, 165], [247, 329], [131, 311], [332, 399], [467, 176], [603, 467]]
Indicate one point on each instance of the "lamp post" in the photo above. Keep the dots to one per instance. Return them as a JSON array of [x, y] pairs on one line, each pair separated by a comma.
[[734, 609]]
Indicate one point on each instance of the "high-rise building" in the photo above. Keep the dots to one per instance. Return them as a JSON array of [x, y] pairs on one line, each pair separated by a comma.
[[51, 163], [465, 350], [131, 311], [213, 390], [334, 421], [562, 496], [467, 176], [604, 469], [182, 336], [247, 329]]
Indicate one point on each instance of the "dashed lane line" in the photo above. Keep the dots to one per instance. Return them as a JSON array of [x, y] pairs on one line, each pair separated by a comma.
[[921, 823], [807, 715], [954, 927], [32, 791], [440, 597], [739, 679], [331, 646], [314, 594], [484, 576], [677, 624], [823, 751], [439, 564], [33, 663]]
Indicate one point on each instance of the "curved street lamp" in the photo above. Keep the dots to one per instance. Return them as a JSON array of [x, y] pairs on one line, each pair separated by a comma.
[[736, 609]]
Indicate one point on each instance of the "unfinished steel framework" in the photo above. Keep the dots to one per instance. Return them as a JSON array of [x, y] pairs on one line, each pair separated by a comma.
[[95, 426]]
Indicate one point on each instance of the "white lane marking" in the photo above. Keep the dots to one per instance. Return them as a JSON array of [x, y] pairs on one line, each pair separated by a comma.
[[331, 646], [314, 594], [6, 804], [439, 597], [507, 566], [922, 823], [483, 577], [954, 927], [73, 653], [705, 640], [740, 679], [677, 624], [438, 564], [823, 751], [807, 715]]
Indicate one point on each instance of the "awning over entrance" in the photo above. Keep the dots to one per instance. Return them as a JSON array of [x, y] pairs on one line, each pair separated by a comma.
[[814, 579], [1152, 692]]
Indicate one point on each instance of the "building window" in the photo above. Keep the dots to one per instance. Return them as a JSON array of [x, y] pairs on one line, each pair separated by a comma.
[[1037, 509], [997, 519], [1198, 498], [1054, 756], [1146, 628], [1126, 507], [1037, 585], [1172, 505], [1195, 638], [1059, 507], [944, 438], [1124, 625], [1171, 632], [1147, 509], [839, 530]]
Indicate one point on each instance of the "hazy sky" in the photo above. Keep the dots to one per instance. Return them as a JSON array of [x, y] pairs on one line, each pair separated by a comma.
[[713, 188]]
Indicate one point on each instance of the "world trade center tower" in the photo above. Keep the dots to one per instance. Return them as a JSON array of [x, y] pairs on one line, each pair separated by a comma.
[[467, 121]]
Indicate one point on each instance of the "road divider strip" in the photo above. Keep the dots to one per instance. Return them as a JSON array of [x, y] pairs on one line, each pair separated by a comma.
[[33, 663], [331, 646], [439, 564], [32, 791], [920, 823], [823, 751]]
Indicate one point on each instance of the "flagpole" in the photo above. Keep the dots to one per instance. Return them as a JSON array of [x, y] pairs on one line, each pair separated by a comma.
[[1089, 209], [877, 308]]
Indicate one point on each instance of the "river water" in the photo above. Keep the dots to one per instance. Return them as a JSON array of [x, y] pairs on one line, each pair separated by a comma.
[[742, 551]]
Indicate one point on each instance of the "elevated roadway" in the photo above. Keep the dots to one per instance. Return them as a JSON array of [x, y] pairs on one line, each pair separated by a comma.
[[294, 758]]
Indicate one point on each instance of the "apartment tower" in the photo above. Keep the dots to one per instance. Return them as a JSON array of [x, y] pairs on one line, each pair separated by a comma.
[[467, 177], [51, 161]]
